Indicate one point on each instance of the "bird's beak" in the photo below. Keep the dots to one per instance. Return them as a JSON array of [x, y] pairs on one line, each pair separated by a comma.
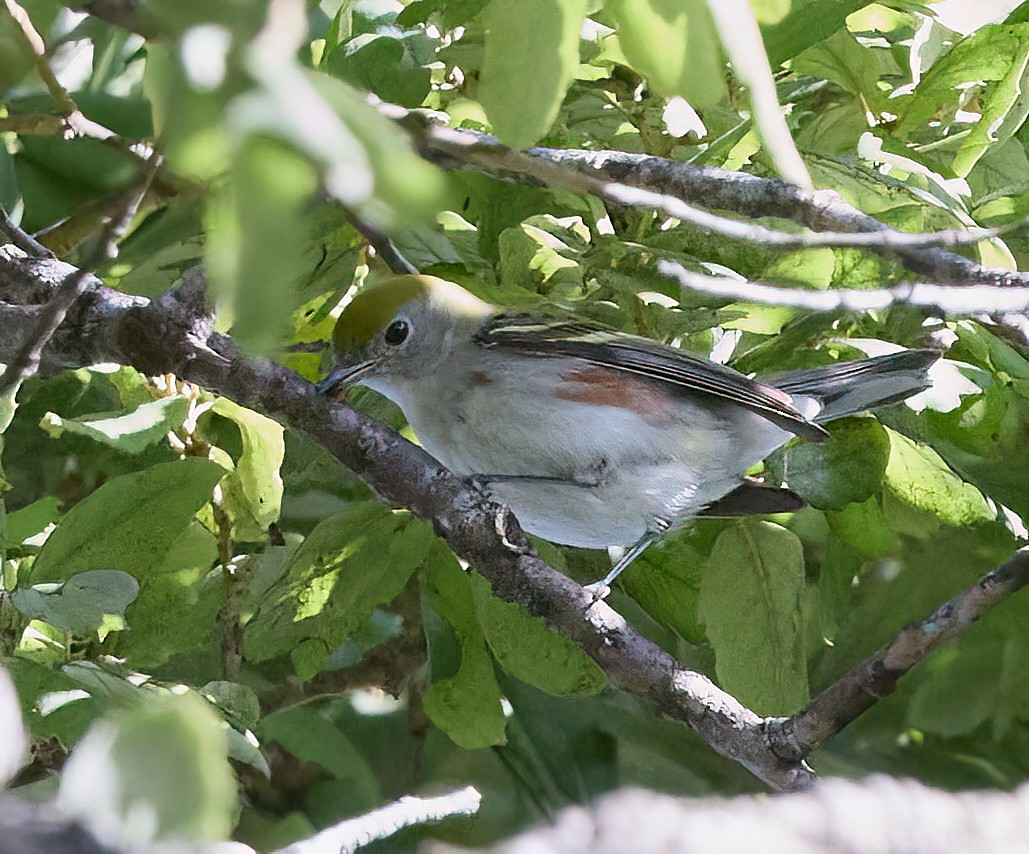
[[343, 375]]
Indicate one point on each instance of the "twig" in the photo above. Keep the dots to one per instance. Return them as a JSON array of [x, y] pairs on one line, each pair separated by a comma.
[[232, 594], [467, 148], [948, 300], [349, 835], [748, 195], [740, 36], [876, 677], [72, 115], [130, 15], [21, 238], [752, 233], [26, 362], [383, 246], [754, 196]]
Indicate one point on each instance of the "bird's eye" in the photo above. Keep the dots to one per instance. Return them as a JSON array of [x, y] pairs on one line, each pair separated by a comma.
[[397, 332]]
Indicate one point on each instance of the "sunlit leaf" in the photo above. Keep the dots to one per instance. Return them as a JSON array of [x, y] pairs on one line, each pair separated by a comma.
[[674, 45], [164, 759], [532, 50]]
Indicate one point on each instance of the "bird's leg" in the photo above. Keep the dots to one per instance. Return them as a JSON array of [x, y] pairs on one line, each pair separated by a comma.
[[601, 588], [587, 481], [488, 480]]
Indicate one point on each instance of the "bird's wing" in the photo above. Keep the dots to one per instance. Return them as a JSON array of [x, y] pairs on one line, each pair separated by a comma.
[[531, 335]]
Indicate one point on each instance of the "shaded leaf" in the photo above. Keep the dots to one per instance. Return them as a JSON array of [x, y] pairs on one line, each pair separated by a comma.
[[750, 603], [130, 521], [920, 478], [466, 704], [348, 565], [526, 648], [847, 468], [83, 603], [253, 490]]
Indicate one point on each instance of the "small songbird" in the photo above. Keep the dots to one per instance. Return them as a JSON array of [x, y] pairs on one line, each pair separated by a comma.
[[594, 438]]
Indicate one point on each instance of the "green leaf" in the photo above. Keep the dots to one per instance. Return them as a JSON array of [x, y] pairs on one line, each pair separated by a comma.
[[83, 603], [465, 705], [30, 520], [847, 63], [809, 22], [176, 611], [962, 693], [924, 573], [847, 468], [674, 45], [995, 54], [977, 680], [164, 758], [750, 601], [238, 702], [665, 580], [310, 736], [259, 251], [532, 52], [865, 527], [253, 490], [130, 521], [919, 477], [53, 704], [526, 648], [348, 565], [383, 65], [132, 432]]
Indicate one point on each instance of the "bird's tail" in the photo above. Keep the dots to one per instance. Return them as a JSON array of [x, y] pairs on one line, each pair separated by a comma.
[[850, 387]]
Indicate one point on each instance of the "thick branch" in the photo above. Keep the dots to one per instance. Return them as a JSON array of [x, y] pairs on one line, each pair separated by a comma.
[[172, 334], [876, 677], [26, 361], [674, 187], [751, 195]]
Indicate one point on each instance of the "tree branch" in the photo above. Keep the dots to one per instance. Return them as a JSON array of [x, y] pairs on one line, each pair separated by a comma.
[[173, 334], [66, 106], [354, 833], [674, 187], [947, 300], [26, 361], [876, 677]]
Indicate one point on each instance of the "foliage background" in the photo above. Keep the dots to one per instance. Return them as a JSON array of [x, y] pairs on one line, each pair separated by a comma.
[[208, 584]]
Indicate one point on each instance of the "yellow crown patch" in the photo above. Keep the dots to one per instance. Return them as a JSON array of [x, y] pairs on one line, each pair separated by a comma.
[[372, 308]]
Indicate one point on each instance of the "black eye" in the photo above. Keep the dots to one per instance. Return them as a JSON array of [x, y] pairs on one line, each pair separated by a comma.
[[397, 332]]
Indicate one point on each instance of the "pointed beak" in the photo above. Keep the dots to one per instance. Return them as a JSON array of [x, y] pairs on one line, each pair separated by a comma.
[[342, 377]]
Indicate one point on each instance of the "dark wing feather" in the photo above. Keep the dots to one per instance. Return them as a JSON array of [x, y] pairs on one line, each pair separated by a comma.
[[530, 335]]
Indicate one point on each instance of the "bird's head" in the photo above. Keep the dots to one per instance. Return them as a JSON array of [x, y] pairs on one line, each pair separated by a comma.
[[398, 329]]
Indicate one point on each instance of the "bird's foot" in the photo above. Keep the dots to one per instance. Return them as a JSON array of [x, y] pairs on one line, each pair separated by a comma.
[[598, 590]]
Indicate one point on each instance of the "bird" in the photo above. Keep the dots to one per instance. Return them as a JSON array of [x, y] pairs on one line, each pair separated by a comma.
[[595, 438]]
